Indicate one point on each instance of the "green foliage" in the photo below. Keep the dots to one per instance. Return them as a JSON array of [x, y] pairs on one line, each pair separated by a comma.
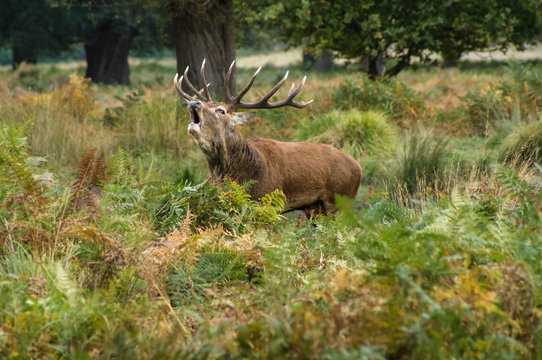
[[214, 267], [390, 96], [36, 28], [13, 160], [523, 92], [518, 98], [399, 30], [483, 109], [358, 133], [385, 211], [230, 206], [45, 313], [396, 286], [28, 206]]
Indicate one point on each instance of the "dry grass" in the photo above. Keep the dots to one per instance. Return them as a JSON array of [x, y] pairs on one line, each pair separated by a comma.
[[61, 124]]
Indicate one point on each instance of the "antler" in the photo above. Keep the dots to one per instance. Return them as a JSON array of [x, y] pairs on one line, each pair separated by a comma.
[[235, 101], [198, 94], [263, 103]]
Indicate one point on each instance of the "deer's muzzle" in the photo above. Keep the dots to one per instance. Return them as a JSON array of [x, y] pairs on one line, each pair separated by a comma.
[[194, 105]]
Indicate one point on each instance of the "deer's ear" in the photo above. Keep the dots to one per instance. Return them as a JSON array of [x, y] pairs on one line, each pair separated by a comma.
[[241, 118]]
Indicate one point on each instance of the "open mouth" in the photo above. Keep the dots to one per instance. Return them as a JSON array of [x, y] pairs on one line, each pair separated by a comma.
[[194, 117]]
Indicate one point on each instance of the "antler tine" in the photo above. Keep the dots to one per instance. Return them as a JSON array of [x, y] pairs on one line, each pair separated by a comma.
[[264, 104], [289, 100], [205, 86], [227, 95], [192, 87], [275, 89], [293, 93], [235, 102], [179, 87]]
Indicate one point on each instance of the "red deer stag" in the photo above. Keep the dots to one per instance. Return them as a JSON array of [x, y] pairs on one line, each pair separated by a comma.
[[310, 175]]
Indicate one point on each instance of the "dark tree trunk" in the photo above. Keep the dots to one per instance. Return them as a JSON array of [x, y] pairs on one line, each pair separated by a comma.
[[308, 60], [377, 66], [107, 55], [205, 31], [324, 62], [23, 54], [449, 63], [320, 63], [450, 54]]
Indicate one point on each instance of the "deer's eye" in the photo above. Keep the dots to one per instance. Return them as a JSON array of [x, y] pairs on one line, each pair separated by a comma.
[[220, 111]]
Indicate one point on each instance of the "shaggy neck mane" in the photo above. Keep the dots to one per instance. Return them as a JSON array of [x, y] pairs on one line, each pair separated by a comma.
[[233, 157]]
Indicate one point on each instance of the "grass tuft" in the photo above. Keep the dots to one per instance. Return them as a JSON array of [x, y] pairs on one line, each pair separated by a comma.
[[523, 145]]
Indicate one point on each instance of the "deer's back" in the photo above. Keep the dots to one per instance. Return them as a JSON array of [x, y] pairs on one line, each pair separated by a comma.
[[305, 172]]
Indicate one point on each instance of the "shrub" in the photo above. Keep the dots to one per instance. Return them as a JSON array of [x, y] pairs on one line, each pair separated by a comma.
[[483, 109], [357, 132], [24, 198], [518, 97], [523, 92], [388, 95]]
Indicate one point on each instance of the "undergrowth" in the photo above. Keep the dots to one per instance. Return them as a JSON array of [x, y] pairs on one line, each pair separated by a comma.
[[109, 248]]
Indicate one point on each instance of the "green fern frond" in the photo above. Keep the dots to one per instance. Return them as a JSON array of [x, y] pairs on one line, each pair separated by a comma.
[[121, 166], [13, 157], [64, 283], [214, 266], [233, 196], [275, 199], [387, 211]]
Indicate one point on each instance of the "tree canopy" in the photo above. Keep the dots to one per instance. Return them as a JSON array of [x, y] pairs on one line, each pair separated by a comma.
[[385, 36], [400, 30]]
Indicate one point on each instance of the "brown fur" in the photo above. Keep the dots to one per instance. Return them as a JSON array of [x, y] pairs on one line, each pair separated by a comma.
[[310, 175]]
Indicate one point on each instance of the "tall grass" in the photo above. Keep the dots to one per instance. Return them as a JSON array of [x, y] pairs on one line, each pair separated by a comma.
[[421, 165], [523, 145], [60, 125]]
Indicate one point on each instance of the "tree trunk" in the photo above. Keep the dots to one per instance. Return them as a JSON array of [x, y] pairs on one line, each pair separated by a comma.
[[308, 60], [321, 63], [205, 31], [324, 62], [23, 54], [374, 66], [377, 66], [107, 55], [450, 54]]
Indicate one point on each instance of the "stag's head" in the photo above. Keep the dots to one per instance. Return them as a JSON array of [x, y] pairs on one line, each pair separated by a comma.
[[212, 121]]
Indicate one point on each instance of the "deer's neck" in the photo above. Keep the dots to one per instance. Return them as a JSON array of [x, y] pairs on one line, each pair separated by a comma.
[[231, 156]]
